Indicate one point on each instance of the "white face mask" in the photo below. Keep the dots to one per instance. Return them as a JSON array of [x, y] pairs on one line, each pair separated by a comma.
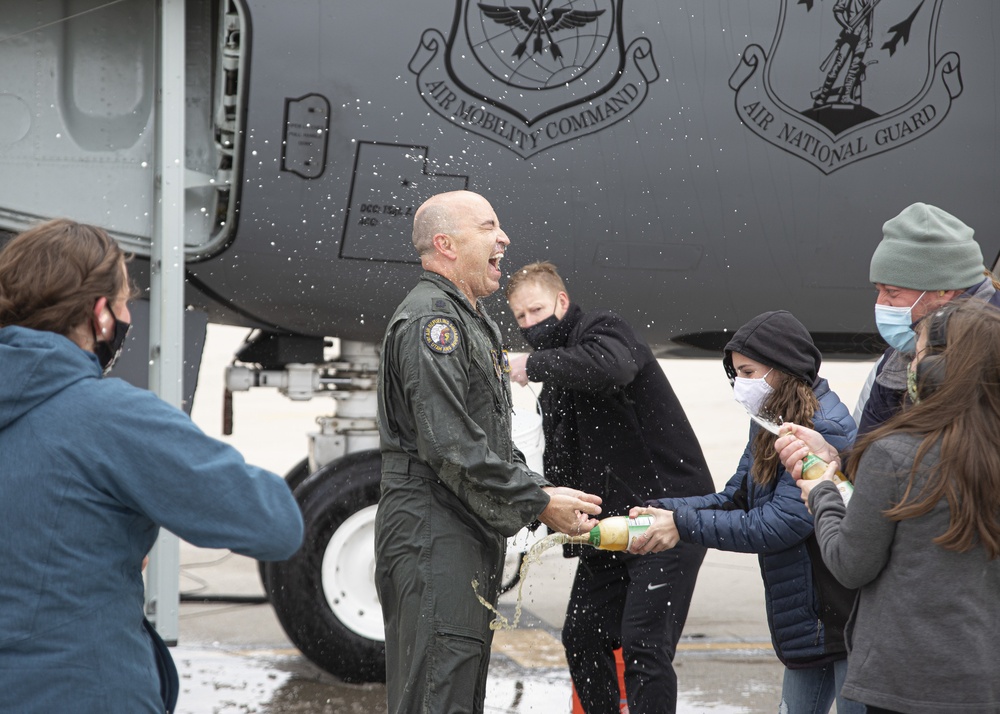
[[752, 393], [894, 324]]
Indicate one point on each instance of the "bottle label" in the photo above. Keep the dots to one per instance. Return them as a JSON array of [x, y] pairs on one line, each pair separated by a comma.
[[813, 467], [845, 487], [636, 527]]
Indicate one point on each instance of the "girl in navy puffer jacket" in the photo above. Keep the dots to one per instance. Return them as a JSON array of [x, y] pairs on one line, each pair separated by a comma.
[[774, 368]]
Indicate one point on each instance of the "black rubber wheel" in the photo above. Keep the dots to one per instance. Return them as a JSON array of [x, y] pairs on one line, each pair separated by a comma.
[[511, 571], [517, 549], [296, 475], [324, 595]]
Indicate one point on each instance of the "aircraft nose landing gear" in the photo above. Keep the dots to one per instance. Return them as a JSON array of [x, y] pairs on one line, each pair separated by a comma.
[[324, 595]]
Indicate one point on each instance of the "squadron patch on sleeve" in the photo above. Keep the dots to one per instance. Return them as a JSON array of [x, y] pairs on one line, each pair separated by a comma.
[[441, 335]]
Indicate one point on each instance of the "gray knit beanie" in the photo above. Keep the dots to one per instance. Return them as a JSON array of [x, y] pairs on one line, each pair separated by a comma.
[[925, 248]]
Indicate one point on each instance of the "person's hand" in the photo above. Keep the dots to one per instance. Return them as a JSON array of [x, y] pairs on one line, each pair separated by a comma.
[[661, 535], [807, 485], [569, 510], [796, 442], [518, 370]]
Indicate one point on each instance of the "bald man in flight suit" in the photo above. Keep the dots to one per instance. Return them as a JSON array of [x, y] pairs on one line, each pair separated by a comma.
[[454, 486]]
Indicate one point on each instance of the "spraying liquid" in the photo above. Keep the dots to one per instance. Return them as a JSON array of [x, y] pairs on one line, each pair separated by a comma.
[[500, 622], [615, 533]]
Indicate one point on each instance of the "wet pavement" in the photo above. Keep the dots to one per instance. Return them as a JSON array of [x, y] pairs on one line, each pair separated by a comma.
[[234, 658], [527, 674], [231, 682]]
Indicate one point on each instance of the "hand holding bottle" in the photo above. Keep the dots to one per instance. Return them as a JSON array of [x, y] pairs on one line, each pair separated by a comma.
[[797, 442], [614, 533], [807, 485], [659, 536], [800, 451]]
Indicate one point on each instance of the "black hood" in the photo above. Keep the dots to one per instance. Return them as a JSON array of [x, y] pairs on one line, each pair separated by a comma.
[[776, 339]]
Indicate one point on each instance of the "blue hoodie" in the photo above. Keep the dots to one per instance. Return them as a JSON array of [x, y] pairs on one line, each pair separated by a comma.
[[90, 468]]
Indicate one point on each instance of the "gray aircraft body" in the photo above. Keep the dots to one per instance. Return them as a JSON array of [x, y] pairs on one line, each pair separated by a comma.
[[687, 164]]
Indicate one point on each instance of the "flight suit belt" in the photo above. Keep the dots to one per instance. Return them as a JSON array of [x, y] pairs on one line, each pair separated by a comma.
[[401, 464]]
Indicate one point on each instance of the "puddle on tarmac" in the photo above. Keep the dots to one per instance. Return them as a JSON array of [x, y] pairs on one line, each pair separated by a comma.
[[268, 682], [221, 682]]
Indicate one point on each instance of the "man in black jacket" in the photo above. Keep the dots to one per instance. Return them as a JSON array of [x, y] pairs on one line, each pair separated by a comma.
[[613, 427]]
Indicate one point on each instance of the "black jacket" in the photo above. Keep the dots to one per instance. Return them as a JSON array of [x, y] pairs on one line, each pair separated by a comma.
[[613, 425]]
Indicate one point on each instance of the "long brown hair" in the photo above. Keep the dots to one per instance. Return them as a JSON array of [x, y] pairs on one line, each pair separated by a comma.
[[792, 400], [52, 274], [962, 413]]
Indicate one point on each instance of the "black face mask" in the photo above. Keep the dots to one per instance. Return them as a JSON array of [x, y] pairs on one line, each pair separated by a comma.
[[539, 335], [108, 352]]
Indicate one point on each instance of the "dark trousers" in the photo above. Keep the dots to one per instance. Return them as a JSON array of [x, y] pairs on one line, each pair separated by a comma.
[[879, 710], [638, 603]]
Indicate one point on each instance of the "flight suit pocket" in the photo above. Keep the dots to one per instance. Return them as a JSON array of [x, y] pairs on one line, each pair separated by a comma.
[[456, 665], [491, 381]]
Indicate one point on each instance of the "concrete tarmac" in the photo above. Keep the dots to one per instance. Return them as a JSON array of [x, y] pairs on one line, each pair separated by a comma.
[[236, 658]]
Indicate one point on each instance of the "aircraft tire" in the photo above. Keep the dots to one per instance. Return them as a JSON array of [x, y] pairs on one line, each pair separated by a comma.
[[296, 475], [324, 595]]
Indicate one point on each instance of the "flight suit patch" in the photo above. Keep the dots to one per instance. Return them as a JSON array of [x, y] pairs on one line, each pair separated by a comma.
[[441, 335]]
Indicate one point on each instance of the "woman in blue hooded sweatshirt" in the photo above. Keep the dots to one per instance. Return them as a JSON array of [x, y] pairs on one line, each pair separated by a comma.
[[90, 469], [773, 366]]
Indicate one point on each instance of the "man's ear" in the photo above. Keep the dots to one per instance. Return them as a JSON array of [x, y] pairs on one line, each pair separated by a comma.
[[940, 298], [102, 318], [445, 245], [562, 304]]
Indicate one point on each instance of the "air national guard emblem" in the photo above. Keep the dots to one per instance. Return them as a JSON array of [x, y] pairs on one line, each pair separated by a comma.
[[847, 79], [534, 73], [441, 335]]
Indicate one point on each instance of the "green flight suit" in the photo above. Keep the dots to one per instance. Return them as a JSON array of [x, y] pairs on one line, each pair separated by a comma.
[[453, 488]]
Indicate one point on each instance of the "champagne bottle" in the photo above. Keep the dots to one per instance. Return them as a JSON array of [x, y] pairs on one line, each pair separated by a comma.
[[813, 467], [614, 533]]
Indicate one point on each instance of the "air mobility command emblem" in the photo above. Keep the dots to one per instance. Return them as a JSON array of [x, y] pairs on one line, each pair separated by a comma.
[[441, 335], [530, 78]]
